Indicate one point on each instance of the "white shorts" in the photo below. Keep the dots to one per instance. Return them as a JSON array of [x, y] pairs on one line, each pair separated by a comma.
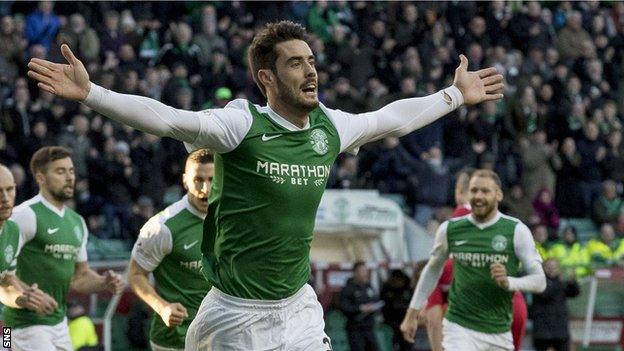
[[156, 347], [224, 322], [42, 338], [455, 337]]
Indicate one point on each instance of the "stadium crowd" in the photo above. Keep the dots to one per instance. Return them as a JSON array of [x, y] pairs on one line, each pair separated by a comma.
[[555, 140]]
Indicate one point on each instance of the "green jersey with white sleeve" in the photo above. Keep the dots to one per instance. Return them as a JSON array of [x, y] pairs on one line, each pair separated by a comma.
[[476, 301], [52, 242], [169, 246], [269, 176]]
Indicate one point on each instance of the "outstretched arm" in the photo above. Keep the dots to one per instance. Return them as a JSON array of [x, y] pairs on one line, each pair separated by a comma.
[[404, 116], [222, 133]]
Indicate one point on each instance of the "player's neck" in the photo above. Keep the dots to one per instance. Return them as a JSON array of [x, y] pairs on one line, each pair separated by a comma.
[[2, 224], [297, 117], [487, 218], [54, 202]]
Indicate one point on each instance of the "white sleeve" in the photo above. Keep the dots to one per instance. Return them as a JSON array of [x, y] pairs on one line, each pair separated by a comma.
[[218, 129], [395, 119], [26, 221], [152, 245], [82, 254], [432, 271], [13, 265], [524, 246]]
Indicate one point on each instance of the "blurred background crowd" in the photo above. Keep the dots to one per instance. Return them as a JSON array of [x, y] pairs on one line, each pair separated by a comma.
[[555, 140]]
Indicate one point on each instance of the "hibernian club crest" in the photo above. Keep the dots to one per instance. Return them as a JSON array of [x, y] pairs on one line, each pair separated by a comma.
[[8, 254], [499, 243], [319, 142]]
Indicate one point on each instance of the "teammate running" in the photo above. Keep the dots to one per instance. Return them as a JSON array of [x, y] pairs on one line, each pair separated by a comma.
[[169, 246], [13, 292], [487, 248], [272, 164], [53, 253], [437, 302]]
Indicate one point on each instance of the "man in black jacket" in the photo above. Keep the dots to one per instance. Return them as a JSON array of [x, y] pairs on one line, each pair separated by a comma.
[[359, 303], [549, 311]]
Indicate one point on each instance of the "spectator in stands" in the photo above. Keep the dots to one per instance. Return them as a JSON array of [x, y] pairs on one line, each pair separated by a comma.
[[42, 25], [345, 176], [149, 160], [321, 18], [567, 194], [545, 210], [16, 119], [518, 205], [208, 39], [181, 49], [396, 294], [359, 303], [13, 47], [81, 328], [608, 206], [121, 178], [393, 171], [614, 161], [80, 36], [111, 38], [607, 249], [77, 139], [592, 154], [571, 38], [570, 254], [539, 159], [540, 235], [141, 213], [549, 310], [529, 29]]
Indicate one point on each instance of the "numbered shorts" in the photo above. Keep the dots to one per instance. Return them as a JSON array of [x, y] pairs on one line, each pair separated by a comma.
[[455, 337], [42, 338], [224, 322]]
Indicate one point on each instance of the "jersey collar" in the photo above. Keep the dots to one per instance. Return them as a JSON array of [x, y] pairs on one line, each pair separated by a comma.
[[52, 208], [283, 121], [192, 209], [485, 224]]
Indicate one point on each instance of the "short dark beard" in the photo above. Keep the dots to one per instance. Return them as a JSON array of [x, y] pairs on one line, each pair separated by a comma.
[[289, 97], [60, 195]]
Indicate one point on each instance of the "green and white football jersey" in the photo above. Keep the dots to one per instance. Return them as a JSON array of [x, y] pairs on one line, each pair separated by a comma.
[[9, 247], [475, 300], [169, 245], [52, 242], [270, 175]]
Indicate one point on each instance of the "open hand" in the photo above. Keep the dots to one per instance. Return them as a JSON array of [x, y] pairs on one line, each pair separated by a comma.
[[67, 81], [479, 86]]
